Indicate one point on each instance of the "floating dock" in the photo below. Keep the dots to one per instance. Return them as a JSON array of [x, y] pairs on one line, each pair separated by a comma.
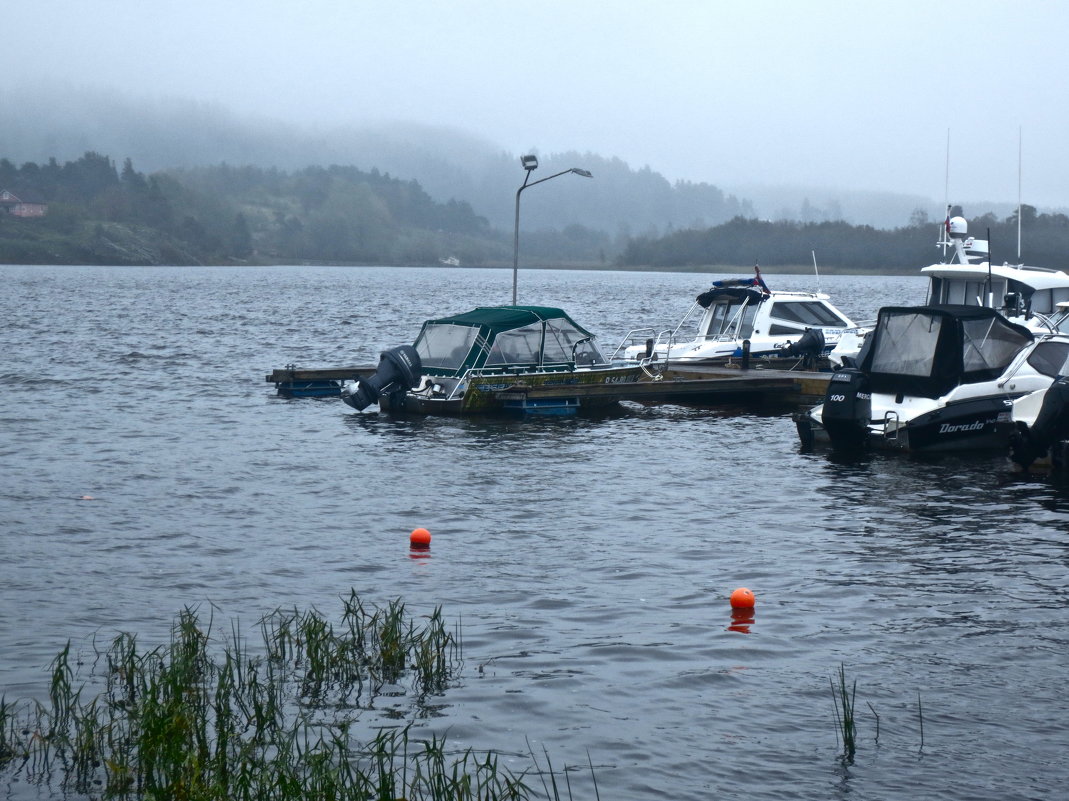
[[315, 382], [676, 384]]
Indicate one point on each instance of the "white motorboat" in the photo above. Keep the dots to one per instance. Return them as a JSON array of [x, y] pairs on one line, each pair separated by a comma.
[[1023, 294], [739, 316], [938, 378]]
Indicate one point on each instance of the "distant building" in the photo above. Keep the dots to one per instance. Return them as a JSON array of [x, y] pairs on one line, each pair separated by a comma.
[[16, 207]]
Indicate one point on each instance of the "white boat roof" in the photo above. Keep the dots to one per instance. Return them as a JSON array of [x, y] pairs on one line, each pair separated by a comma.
[[1035, 277], [784, 294]]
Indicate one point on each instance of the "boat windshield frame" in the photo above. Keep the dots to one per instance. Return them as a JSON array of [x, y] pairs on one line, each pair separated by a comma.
[[507, 339]]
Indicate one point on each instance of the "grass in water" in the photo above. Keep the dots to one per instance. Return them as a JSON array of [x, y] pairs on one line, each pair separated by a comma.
[[843, 698], [207, 720]]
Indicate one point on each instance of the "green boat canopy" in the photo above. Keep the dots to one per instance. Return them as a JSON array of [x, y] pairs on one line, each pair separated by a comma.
[[505, 338]]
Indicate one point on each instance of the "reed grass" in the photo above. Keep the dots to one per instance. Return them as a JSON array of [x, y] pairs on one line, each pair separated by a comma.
[[843, 698], [203, 719]]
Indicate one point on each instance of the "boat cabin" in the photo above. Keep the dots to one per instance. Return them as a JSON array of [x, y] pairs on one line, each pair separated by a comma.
[[1020, 290], [732, 313], [970, 279], [506, 339], [926, 351]]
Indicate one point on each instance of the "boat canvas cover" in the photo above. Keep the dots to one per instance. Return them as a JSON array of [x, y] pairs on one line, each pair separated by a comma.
[[735, 294], [928, 350], [502, 336]]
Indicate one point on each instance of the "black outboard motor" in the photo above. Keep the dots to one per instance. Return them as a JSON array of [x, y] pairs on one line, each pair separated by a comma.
[[809, 346], [1052, 425], [400, 370], [847, 409]]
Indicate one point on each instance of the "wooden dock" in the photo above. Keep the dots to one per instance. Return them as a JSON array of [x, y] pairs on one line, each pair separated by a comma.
[[315, 382], [678, 384], [701, 386]]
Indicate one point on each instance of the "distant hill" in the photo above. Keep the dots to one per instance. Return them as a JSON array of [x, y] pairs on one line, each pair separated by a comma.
[[448, 164], [40, 123]]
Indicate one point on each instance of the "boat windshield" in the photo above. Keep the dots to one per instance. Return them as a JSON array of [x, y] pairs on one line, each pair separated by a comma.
[[733, 318], [968, 291], [907, 345], [445, 345], [989, 345], [566, 343], [563, 343], [518, 346], [929, 352], [1051, 358], [807, 312]]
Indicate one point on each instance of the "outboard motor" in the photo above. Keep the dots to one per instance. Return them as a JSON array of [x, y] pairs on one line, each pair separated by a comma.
[[1052, 425], [809, 346], [847, 409], [400, 370]]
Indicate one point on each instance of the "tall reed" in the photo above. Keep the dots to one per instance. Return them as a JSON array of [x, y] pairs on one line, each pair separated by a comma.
[[844, 712], [202, 719]]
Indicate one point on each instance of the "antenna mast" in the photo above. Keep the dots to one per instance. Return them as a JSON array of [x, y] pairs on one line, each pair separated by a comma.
[[944, 238], [1019, 194]]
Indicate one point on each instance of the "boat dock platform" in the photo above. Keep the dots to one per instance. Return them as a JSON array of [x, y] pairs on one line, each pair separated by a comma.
[[677, 384]]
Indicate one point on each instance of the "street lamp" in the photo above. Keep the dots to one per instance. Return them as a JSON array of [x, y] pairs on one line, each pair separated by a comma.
[[531, 163]]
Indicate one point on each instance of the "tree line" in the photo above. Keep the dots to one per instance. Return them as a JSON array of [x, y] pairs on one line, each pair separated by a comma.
[[99, 213], [841, 247]]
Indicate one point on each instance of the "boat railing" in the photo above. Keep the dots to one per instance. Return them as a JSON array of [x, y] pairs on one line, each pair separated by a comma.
[[647, 338]]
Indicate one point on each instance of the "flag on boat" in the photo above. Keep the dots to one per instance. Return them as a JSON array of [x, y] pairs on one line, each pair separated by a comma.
[[760, 280]]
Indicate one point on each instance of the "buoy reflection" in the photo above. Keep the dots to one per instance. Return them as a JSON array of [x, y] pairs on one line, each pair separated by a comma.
[[741, 620]]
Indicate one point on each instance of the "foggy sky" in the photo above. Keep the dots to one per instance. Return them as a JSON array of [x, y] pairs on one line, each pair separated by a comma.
[[823, 93]]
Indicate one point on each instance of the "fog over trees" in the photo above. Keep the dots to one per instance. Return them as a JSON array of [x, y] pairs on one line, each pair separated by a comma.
[[176, 180]]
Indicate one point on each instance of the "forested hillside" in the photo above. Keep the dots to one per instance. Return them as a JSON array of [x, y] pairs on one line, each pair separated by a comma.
[[841, 247], [99, 214]]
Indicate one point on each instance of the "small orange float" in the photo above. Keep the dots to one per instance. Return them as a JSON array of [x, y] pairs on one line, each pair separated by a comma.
[[742, 598], [420, 538]]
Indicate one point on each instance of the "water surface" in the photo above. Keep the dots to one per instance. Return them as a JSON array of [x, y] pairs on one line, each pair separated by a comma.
[[589, 560]]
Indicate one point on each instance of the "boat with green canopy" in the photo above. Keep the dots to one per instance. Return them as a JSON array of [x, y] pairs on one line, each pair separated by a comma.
[[485, 360]]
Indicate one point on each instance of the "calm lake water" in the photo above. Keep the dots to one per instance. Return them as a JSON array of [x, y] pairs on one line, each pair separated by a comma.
[[589, 560]]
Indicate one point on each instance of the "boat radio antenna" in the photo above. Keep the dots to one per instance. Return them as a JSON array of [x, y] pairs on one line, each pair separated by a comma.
[[990, 283], [1019, 195], [944, 239], [815, 269]]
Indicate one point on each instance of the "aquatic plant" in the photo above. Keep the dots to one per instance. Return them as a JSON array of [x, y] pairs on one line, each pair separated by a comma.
[[843, 699], [202, 720]]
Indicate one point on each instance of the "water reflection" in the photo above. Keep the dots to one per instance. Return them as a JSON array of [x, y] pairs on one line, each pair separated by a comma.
[[741, 620]]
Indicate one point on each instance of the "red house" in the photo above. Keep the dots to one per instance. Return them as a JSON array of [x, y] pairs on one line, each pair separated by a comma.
[[16, 207]]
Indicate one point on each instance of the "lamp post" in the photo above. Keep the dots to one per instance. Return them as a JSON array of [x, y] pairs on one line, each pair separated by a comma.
[[531, 163]]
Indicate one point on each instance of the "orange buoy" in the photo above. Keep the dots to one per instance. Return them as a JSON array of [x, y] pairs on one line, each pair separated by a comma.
[[420, 538], [742, 598]]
